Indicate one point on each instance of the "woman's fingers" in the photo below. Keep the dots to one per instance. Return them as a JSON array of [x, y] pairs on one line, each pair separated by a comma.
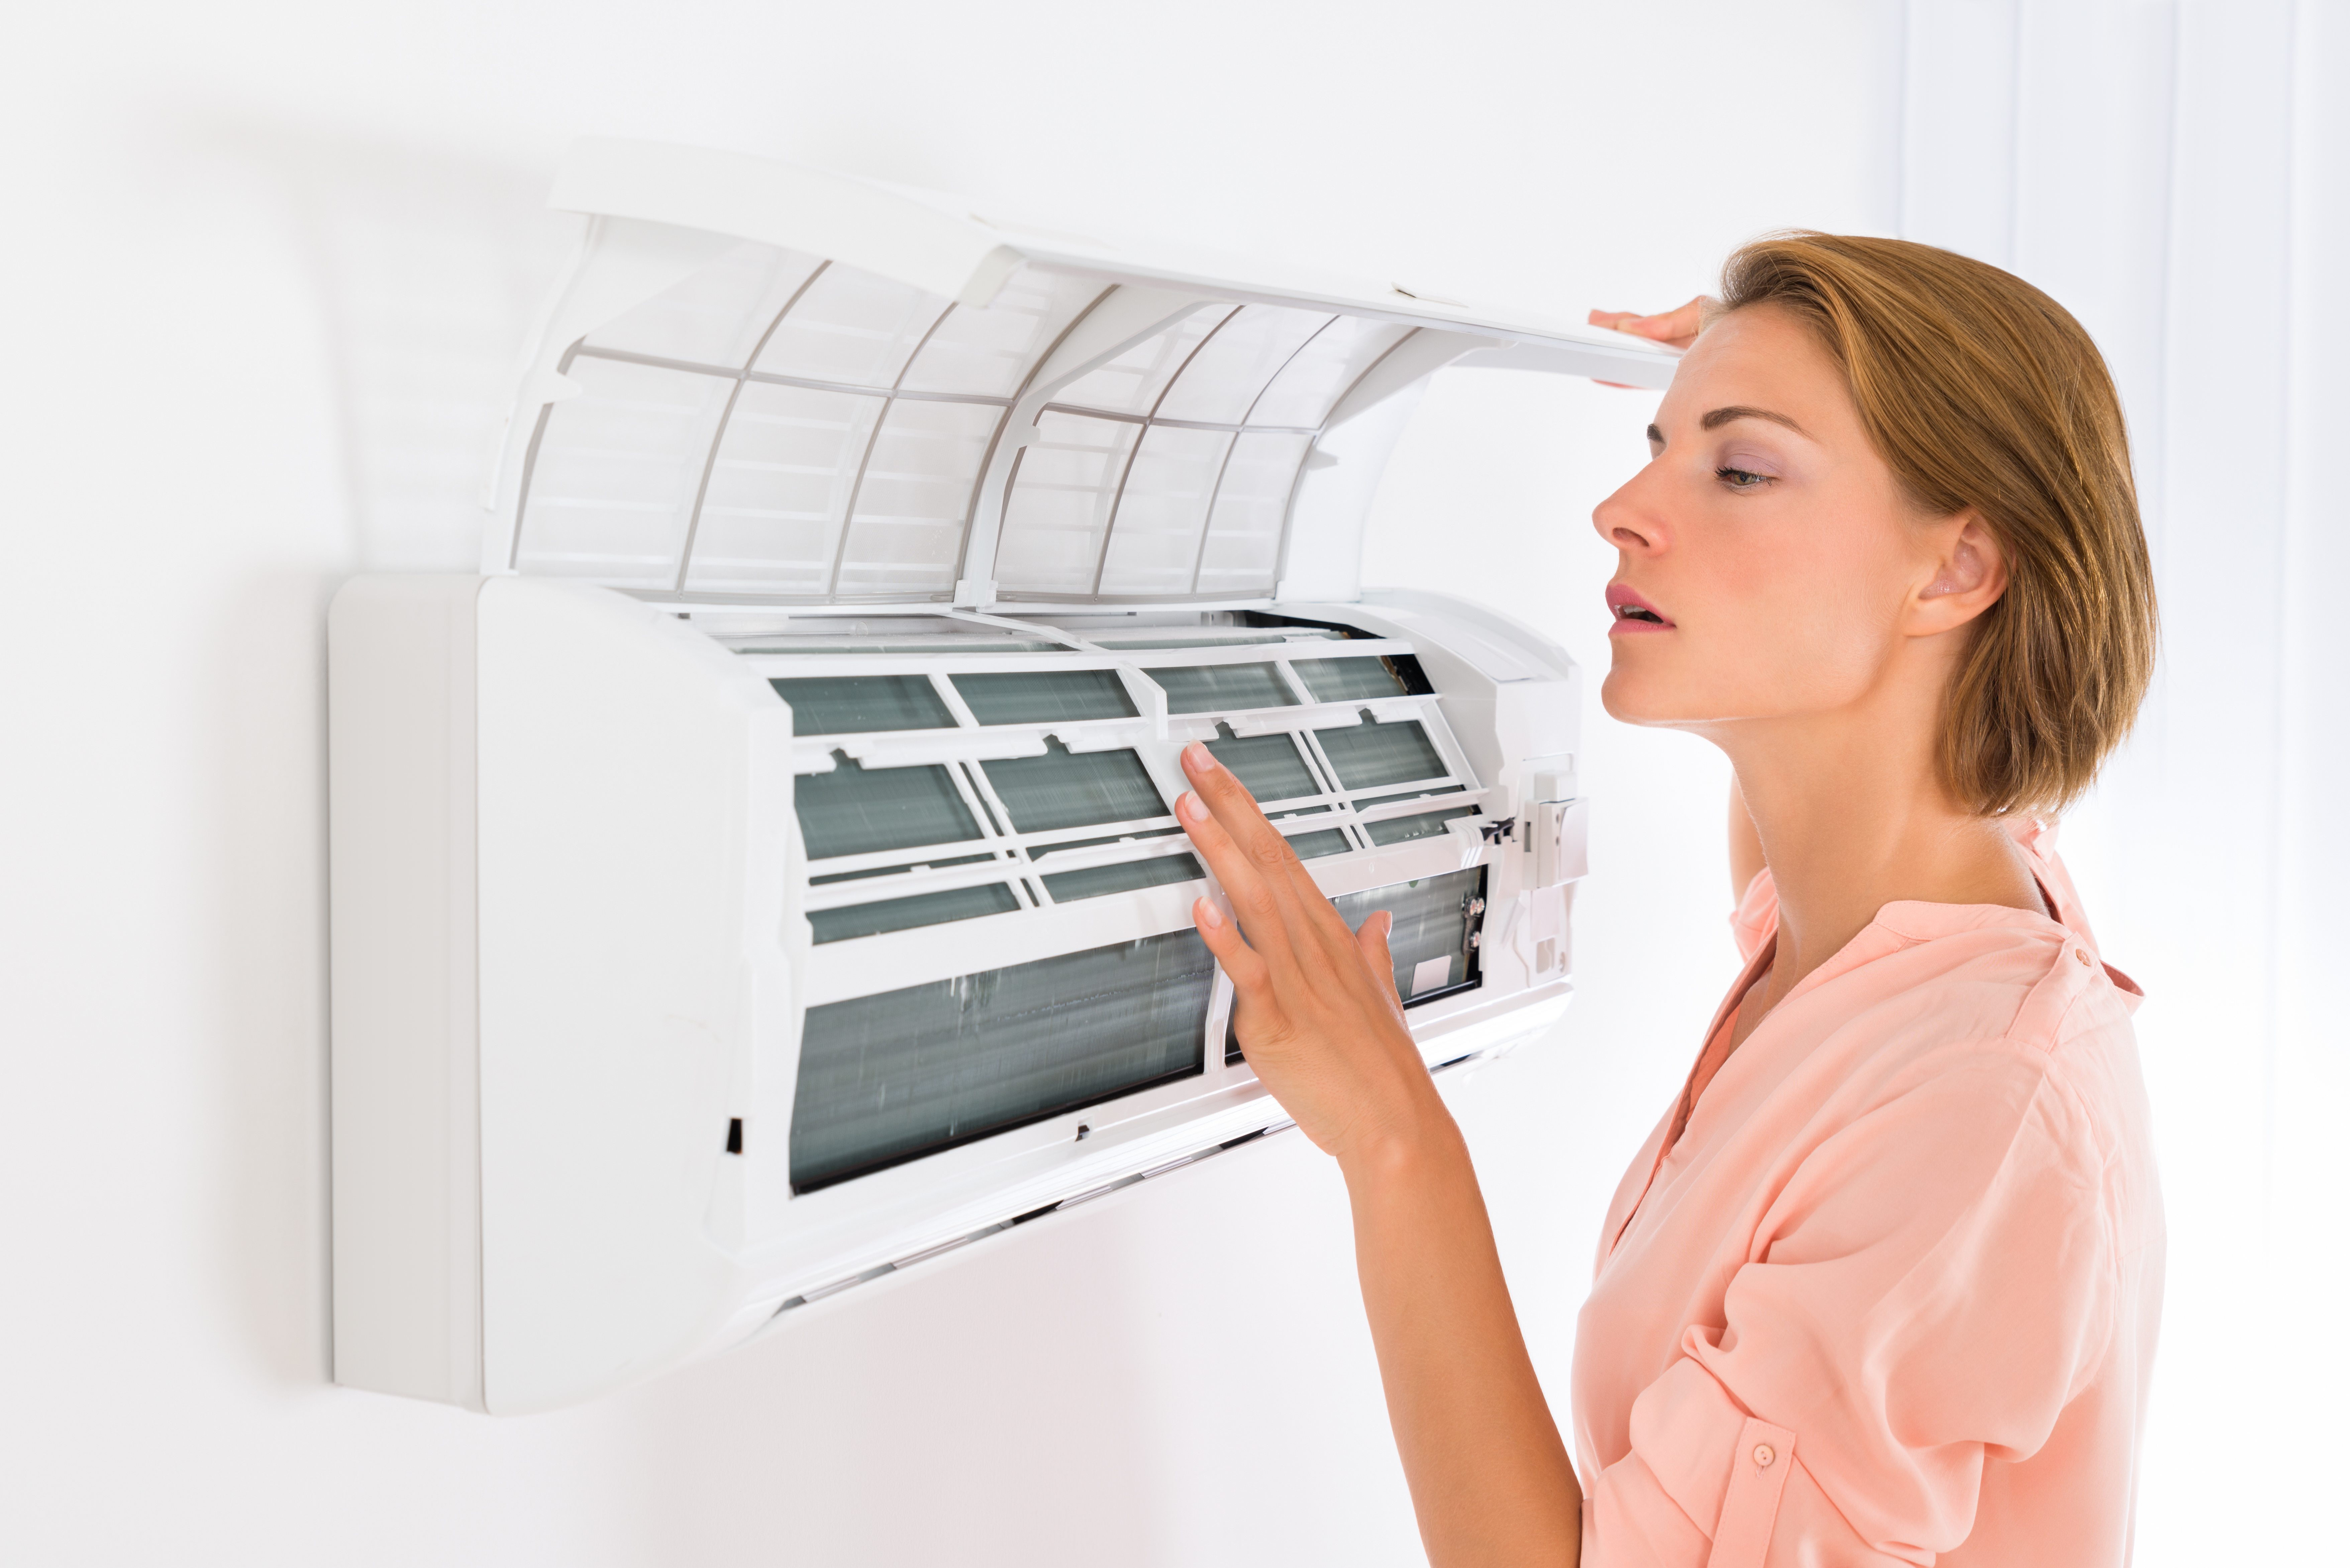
[[1234, 808], [1283, 914], [1247, 852], [1231, 836], [1677, 327], [1371, 943], [1224, 940]]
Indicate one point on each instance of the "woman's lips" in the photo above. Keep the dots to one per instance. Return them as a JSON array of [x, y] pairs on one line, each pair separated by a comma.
[[1635, 616]]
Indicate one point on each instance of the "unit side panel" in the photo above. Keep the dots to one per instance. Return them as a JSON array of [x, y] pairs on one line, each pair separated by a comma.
[[620, 992], [406, 1202]]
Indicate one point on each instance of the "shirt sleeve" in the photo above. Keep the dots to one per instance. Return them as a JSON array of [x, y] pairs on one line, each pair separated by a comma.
[[1933, 1286]]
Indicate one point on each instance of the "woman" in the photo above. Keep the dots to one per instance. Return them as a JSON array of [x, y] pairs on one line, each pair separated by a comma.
[[1883, 1285]]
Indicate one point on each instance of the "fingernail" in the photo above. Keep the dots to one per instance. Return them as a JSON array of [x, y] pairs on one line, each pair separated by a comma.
[[1210, 916], [1191, 807], [1199, 759]]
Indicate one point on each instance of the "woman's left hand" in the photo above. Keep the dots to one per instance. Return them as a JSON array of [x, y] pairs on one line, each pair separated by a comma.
[[1315, 1002]]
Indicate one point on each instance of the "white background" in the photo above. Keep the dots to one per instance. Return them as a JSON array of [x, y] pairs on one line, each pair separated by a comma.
[[264, 268]]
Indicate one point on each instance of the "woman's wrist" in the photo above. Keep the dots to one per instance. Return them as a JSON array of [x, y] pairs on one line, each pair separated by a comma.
[[1417, 1141]]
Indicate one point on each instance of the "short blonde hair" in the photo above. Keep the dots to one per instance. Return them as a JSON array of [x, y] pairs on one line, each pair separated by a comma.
[[1980, 391]]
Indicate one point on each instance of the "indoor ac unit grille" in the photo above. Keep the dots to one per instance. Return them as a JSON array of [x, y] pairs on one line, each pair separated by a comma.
[[970, 780], [929, 828]]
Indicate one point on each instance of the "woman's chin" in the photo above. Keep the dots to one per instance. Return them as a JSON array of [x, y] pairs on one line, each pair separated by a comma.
[[1632, 701]]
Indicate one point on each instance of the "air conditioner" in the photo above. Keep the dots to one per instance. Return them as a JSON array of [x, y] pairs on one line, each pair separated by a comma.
[[760, 878]]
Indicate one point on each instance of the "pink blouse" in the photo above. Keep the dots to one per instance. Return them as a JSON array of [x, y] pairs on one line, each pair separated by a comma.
[[1891, 1296]]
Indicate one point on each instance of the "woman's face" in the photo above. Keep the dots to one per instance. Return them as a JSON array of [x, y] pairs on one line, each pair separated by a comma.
[[1769, 565]]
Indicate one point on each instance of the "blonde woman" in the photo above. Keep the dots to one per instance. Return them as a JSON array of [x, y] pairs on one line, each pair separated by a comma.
[[1883, 1285]]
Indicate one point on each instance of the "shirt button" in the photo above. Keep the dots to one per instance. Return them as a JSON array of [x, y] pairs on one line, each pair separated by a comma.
[[2082, 954], [1763, 1456]]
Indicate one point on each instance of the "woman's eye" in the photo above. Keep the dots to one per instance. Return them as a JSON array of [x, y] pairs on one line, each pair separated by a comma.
[[1740, 478]]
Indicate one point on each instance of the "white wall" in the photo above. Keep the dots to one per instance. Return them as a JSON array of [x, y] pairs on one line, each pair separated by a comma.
[[265, 267]]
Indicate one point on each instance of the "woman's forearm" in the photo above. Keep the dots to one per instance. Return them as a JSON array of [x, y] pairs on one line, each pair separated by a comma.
[[1315, 1005], [1490, 1479]]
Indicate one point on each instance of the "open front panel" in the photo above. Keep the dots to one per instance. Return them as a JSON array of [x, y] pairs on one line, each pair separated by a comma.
[[779, 426], [784, 427]]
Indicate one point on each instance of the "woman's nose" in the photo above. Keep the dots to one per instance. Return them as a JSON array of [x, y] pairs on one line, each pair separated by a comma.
[[1626, 522]]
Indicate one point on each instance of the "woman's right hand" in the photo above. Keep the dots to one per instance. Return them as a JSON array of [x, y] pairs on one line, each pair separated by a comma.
[[1676, 328]]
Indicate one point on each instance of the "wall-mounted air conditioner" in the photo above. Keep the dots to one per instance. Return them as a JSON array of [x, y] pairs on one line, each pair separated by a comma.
[[761, 877]]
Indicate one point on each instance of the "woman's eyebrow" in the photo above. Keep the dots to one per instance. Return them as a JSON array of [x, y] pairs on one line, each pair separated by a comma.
[[1720, 417]]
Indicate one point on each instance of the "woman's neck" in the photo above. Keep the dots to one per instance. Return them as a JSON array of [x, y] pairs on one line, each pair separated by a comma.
[[1851, 815]]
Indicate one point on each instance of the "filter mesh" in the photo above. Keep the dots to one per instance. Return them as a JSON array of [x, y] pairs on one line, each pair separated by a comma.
[[1061, 789], [1349, 680], [886, 1078], [1270, 766], [904, 914], [1211, 688], [1045, 696], [1314, 846], [858, 704], [1094, 881], [856, 811], [1370, 755]]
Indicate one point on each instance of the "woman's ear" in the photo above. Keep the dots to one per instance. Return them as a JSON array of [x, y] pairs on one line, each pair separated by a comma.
[[1969, 575]]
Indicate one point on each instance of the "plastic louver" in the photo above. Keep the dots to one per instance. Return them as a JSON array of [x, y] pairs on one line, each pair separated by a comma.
[[1429, 793], [828, 879], [885, 1078], [1216, 688], [856, 811], [1371, 754], [1038, 851], [902, 914], [1061, 789], [1045, 696], [856, 705]]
